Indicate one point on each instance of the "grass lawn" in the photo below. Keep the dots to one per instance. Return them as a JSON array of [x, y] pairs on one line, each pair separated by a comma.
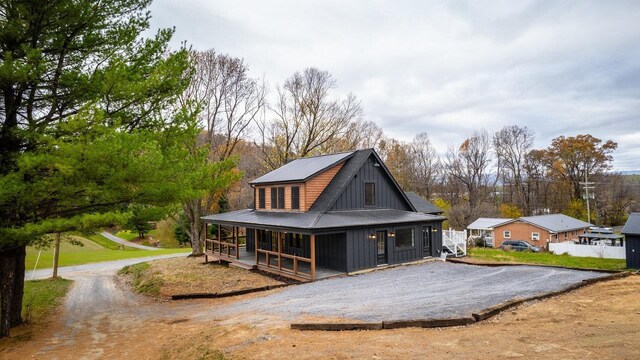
[[42, 296], [545, 258], [89, 253], [127, 235]]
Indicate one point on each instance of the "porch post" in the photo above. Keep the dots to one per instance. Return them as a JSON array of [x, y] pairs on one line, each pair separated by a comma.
[[219, 239], [255, 244], [313, 257], [205, 238], [235, 240], [280, 250]]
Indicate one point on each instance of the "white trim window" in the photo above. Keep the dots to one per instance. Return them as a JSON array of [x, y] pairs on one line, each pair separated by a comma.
[[535, 236], [506, 234]]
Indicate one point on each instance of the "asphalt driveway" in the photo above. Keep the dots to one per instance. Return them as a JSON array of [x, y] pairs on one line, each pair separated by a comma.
[[431, 290]]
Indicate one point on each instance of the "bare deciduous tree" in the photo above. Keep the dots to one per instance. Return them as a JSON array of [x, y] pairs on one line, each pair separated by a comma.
[[426, 165], [307, 119], [229, 102], [512, 144]]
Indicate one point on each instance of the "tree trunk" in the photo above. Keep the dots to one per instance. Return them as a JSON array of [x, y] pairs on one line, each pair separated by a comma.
[[196, 237], [56, 256], [18, 287], [7, 278]]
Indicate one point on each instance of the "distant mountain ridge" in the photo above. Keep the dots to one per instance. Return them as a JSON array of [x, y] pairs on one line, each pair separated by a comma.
[[629, 172]]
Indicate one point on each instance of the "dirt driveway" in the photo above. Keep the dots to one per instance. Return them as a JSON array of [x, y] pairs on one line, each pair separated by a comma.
[[599, 321]]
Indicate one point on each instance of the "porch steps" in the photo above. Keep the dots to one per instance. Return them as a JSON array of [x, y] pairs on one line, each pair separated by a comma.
[[242, 265]]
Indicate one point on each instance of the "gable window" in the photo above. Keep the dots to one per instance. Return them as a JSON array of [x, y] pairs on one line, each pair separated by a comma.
[[261, 198], [535, 236], [405, 238], [369, 194], [277, 197], [295, 197], [506, 234]]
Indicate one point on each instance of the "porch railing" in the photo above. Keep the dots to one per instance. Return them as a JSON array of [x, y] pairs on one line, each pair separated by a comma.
[[281, 267], [224, 247]]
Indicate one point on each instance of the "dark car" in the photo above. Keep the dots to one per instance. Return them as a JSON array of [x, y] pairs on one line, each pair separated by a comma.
[[518, 245]]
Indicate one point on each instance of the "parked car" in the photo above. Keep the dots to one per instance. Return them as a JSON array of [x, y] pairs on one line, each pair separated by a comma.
[[518, 245]]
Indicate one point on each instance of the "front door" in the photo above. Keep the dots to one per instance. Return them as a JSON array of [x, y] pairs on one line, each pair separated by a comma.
[[381, 245], [426, 241]]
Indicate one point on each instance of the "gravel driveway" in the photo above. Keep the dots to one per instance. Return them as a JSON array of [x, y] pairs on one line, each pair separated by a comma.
[[431, 290]]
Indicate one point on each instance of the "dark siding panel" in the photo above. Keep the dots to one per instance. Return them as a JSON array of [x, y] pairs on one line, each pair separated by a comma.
[[633, 251], [362, 251], [387, 195], [331, 251]]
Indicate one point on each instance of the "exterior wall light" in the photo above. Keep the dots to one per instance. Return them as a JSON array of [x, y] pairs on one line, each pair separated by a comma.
[[392, 234], [372, 236]]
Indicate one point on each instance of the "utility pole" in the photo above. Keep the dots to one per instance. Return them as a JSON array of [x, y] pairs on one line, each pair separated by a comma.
[[587, 186]]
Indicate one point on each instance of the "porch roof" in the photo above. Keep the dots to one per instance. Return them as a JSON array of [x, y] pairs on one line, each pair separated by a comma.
[[310, 221]]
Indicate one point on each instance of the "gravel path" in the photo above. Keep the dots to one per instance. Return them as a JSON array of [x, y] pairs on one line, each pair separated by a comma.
[[431, 290], [122, 241]]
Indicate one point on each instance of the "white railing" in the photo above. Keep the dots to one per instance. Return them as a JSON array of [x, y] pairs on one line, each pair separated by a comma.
[[455, 242], [596, 251]]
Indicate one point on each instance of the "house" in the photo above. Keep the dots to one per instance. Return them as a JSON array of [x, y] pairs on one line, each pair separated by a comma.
[[483, 228], [631, 230], [326, 215], [540, 230]]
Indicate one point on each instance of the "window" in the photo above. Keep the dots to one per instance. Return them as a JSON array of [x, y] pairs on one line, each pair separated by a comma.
[[277, 198], [295, 197], [506, 234], [369, 194], [405, 238], [535, 236], [261, 198], [274, 198]]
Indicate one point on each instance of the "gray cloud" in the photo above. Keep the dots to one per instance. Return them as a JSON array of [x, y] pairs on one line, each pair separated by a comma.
[[561, 68]]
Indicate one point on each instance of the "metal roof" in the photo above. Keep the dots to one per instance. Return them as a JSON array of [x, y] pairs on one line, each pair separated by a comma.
[[556, 222], [302, 169], [632, 226], [487, 223], [600, 236], [421, 204], [318, 221]]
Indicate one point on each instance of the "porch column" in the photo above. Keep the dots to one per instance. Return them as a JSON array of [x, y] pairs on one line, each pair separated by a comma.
[[313, 256], [206, 233], [235, 240], [219, 239], [280, 250], [255, 243]]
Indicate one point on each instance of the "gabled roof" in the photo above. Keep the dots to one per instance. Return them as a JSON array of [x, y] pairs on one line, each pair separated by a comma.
[[300, 170], [487, 223], [318, 221], [554, 222], [339, 182], [632, 226], [421, 204]]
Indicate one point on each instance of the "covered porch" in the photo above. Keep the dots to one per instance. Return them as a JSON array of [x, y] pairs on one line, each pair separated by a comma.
[[285, 253]]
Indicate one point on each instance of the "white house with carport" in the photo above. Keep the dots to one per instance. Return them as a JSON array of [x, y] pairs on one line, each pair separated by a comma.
[[483, 228]]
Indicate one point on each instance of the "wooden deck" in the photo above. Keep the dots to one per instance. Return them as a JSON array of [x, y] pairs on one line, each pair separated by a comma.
[[247, 260]]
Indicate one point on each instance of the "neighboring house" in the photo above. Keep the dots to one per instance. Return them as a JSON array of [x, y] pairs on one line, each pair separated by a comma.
[[540, 230], [631, 230], [483, 228], [326, 215]]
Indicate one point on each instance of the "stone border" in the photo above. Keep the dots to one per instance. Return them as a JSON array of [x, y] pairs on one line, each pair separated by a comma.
[[449, 322], [226, 294]]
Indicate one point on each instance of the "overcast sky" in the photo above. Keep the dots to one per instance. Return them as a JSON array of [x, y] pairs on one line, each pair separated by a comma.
[[446, 67]]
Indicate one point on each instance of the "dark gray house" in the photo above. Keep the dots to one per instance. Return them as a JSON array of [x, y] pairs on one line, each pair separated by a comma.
[[631, 231], [326, 215]]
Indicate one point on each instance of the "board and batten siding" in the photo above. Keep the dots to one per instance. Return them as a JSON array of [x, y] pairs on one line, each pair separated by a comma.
[[361, 250], [387, 195], [331, 251], [632, 248]]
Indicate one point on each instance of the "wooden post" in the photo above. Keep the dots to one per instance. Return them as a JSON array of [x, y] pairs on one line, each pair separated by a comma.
[[313, 256], [235, 240], [280, 250], [206, 233], [255, 245], [219, 239]]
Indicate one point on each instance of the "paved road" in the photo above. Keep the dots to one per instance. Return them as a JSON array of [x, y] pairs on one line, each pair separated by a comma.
[[431, 290], [122, 241], [86, 270]]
